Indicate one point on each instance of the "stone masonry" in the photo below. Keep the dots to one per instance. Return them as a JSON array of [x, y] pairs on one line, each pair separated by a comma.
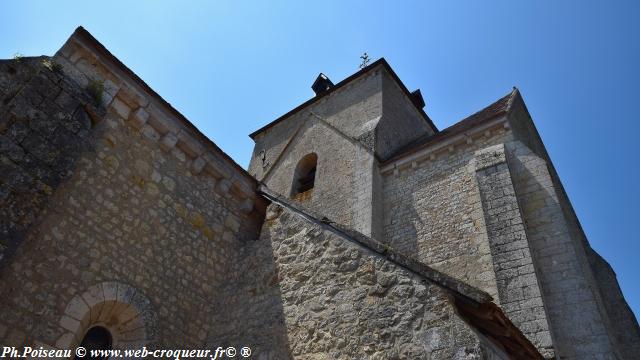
[[411, 242], [518, 288], [461, 201], [130, 202]]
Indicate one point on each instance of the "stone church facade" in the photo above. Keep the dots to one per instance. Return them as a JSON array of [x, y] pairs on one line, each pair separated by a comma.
[[359, 231]]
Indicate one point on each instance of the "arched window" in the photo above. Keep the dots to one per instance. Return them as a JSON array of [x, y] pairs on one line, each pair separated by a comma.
[[97, 338], [130, 315], [305, 175]]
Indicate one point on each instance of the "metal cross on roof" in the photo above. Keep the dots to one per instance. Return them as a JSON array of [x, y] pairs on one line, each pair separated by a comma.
[[365, 60]]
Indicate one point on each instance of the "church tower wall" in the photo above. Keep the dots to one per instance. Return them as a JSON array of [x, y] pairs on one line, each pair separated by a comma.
[[352, 110], [432, 209], [339, 129], [442, 203], [401, 123], [350, 128], [454, 206], [576, 282]]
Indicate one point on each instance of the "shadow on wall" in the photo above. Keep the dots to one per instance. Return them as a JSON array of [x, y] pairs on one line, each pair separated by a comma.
[[556, 242], [400, 230], [252, 313], [38, 147], [408, 245], [107, 205], [622, 318]]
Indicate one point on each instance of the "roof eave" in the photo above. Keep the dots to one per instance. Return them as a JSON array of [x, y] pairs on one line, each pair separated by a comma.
[[459, 127]]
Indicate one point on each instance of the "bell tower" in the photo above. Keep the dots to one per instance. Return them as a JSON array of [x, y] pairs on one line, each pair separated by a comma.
[[347, 129]]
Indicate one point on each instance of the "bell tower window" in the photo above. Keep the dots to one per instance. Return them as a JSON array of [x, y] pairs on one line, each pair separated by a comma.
[[305, 174]]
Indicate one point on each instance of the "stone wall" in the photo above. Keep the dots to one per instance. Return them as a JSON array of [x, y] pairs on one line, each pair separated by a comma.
[[572, 276], [354, 110], [624, 325], [350, 128], [401, 121], [143, 228], [44, 125], [335, 194], [341, 300], [432, 208], [459, 214], [518, 287]]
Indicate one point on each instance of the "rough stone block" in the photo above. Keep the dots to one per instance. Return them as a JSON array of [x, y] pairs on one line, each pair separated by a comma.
[[232, 223], [65, 341], [110, 291], [125, 293], [490, 156], [77, 308], [132, 96], [151, 133], [179, 154], [198, 164], [189, 144], [247, 205], [168, 141], [121, 108], [163, 123], [223, 187], [139, 118], [93, 296], [69, 323]]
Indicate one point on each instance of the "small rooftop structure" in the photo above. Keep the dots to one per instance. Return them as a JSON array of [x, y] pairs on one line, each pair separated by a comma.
[[321, 84]]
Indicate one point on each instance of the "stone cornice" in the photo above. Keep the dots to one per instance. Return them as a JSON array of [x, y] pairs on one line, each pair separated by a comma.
[[84, 59], [447, 145]]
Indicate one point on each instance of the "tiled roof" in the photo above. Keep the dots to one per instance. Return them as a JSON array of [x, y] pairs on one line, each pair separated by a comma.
[[500, 107]]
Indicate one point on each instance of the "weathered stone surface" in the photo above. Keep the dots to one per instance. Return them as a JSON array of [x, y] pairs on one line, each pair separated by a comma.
[[44, 129], [518, 288], [434, 210], [153, 232], [328, 297], [107, 206]]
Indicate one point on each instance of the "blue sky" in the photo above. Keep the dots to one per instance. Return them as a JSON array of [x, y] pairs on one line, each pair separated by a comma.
[[233, 66]]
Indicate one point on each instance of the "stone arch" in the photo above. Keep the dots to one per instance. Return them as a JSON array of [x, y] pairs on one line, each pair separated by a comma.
[[122, 309], [305, 174]]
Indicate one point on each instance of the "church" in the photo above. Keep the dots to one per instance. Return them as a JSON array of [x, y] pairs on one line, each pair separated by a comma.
[[359, 230]]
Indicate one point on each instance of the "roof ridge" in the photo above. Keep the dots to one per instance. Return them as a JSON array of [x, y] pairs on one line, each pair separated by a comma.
[[380, 62], [508, 98], [515, 92]]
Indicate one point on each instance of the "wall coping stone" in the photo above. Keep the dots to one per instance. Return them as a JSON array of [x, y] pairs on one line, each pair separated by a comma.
[[459, 140]]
